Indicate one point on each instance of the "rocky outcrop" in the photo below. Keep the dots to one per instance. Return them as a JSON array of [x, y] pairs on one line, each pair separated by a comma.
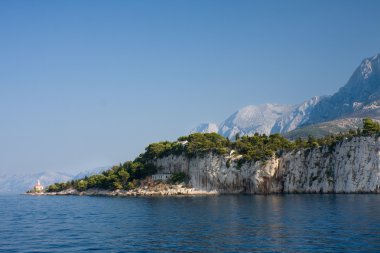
[[350, 166]]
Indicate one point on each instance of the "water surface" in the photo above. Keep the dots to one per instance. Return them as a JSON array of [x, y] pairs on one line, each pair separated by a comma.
[[227, 223]]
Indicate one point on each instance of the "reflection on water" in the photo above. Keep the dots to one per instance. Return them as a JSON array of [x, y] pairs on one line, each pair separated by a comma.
[[213, 223]]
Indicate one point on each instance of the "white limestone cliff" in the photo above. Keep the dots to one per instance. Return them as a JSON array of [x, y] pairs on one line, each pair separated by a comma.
[[351, 166]]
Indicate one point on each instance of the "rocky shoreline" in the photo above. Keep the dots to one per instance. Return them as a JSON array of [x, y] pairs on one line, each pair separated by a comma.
[[161, 190]]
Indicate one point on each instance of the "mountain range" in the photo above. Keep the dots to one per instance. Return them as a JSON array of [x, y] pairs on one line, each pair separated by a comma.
[[20, 183], [318, 116]]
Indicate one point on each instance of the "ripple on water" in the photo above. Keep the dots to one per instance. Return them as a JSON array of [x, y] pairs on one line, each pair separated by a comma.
[[305, 223]]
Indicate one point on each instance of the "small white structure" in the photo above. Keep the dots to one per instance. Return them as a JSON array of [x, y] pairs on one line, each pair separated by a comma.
[[38, 187], [161, 176], [183, 143]]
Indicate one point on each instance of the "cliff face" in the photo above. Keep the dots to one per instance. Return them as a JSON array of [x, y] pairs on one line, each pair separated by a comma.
[[348, 167]]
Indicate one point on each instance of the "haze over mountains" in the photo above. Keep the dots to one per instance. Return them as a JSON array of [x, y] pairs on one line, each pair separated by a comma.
[[23, 182], [359, 98]]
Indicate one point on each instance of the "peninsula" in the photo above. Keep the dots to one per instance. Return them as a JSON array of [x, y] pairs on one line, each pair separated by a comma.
[[209, 164]]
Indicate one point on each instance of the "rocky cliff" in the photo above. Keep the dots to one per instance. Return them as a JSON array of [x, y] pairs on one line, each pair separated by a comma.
[[350, 166]]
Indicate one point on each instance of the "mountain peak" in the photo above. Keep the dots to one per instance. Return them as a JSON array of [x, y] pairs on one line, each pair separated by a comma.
[[264, 119], [361, 92], [253, 118], [359, 97]]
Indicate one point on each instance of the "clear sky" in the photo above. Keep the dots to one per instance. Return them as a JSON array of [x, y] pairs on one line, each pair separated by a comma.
[[90, 83]]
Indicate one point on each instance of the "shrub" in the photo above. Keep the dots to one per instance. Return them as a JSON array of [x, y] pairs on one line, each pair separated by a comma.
[[370, 127]]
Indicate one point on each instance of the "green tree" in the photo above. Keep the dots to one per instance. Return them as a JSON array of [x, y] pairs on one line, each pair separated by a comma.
[[81, 185], [124, 176], [370, 127], [117, 185]]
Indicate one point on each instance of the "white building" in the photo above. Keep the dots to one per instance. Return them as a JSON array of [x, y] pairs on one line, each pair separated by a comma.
[[38, 187], [183, 143], [161, 176]]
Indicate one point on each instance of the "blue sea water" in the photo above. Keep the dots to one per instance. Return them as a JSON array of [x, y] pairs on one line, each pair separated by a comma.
[[227, 223]]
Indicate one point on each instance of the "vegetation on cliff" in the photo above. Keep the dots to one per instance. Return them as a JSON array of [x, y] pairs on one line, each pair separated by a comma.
[[251, 148]]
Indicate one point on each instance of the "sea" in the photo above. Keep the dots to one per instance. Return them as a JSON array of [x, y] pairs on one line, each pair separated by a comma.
[[222, 223]]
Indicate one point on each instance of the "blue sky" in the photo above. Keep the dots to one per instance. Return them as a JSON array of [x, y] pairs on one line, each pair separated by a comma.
[[91, 83]]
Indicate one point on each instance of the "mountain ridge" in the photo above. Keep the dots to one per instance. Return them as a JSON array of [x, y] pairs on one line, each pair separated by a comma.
[[358, 98], [266, 118]]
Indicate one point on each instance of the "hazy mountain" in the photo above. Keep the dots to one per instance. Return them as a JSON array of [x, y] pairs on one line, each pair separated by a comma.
[[206, 128], [296, 117], [20, 183], [266, 118], [23, 182], [252, 119], [359, 98], [88, 173]]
